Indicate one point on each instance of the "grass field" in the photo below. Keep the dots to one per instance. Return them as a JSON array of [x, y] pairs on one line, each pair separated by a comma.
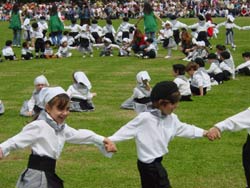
[[190, 163]]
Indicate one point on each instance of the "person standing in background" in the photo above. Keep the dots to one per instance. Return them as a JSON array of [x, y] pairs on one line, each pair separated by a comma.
[[15, 24]]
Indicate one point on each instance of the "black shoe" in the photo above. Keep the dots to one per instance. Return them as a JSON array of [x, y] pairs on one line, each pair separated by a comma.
[[37, 57]]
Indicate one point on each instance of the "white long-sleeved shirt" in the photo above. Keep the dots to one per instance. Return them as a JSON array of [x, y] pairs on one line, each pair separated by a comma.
[[124, 27], [236, 122], [243, 65], [73, 28], [201, 26], [153, 133], [8, 51], [228, 25], [34, 100], [183, 85], [44, 141], [214, 68], [200, 79], [177, 25]]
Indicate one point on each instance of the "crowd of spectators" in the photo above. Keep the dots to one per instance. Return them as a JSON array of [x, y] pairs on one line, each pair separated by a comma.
[[132, 8]]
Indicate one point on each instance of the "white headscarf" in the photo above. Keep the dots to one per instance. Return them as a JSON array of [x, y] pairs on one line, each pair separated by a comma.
[[81, 77], [142, 75], [41, 80], [48, 93]]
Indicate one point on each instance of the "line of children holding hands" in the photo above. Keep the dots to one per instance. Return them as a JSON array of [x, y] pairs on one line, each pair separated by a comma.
[[152, 131]]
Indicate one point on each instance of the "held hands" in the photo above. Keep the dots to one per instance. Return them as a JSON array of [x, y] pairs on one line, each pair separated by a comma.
[[109, 145], [214, 133]]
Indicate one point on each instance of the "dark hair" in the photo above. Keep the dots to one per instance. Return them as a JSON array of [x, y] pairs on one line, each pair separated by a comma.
[[246, 54], [61, 101], [109, 21], [225, 55], [73, 21], [212, 56], [165, 90], [180, 68], [201, 17], [200, 62], [53, 10], [34, 25], [8, 43], [25, 44], [220, 47], [42, 18], [94, 21], [47, 42], [65, 32], [150, 40], [15, 8], [147, 8], [125, 19], [191, 65]]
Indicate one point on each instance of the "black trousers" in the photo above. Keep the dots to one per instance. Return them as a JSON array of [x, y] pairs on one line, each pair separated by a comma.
[[246, 159], [245, 71], [153, 175]]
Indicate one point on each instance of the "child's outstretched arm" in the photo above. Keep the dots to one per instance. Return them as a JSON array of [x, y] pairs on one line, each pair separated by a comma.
[[234, 123]]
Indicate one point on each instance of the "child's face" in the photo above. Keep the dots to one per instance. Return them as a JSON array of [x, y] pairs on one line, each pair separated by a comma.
[[168, 108], [65, 44], [191, 72], [58, 115], [39, 86], [175, 73]]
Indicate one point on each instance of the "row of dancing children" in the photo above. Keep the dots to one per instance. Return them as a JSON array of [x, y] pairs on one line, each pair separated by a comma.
[[50, 123], [79, 92]]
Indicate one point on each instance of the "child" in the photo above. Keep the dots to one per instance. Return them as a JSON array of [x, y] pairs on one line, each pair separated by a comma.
[[198, 50], [203, 72], [26, 53], [140, 100], [64, 50], [79, 93], [37, 40], [182, 82], [197, 84], [236, 123], [125, 49], [8, 52], [176, 26], [109, 31], [74, 28], [214, 70], [227, 65], [48, 52], [71, 41], [124, 27], [85, 41], [48, 144], [168, 40], [153, 131], [96, 31], [43, 25], [150, 51], [229, 25], [1, 108], [31, 107], [107, 47], [244, 68], [26, 28]]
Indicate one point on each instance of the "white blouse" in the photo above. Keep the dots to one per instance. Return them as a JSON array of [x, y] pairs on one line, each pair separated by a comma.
[[152, 134]]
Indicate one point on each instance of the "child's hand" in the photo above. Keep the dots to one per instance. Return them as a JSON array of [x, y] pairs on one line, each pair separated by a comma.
[[1, 153], [109, 145], [29, 113], [214, 133], [94, 94]]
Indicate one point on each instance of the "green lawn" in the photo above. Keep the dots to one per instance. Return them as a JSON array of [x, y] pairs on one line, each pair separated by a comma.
[[190, 163]]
